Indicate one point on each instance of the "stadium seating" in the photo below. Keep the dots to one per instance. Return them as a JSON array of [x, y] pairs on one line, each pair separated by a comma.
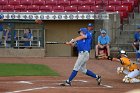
[[110, 8], [96, 9], [14, 2], [122, 6], [45, 8], [130, 5], [51, 2], [3, 2], [84, 8], [76, 3], [88, 2], [71, 9], [20, 8], [101, 2], [63, 2], [26, 2], [1, 8], [114, 2], [33, 8], [58, 9], [39, 2], [8, 8], [123, 11]]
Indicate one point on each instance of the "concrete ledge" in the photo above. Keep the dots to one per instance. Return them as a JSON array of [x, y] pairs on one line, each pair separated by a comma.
[[9, 52]]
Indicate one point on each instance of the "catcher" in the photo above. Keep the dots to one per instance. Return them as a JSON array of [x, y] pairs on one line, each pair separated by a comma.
[[130, 69]]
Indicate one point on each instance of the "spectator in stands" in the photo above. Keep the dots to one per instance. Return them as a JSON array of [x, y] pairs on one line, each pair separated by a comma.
[[103, 42], [27, 37], [9, 36], [1, 33], [136, 39], [91, 30]]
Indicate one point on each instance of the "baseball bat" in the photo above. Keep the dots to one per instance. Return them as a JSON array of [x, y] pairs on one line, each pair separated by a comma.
[[53, 42]]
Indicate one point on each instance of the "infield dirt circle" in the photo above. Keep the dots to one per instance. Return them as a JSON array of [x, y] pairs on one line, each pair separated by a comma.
[[111, 82]]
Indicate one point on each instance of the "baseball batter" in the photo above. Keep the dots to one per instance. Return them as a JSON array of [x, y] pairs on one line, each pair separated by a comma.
[[128, 68], [83, 44]]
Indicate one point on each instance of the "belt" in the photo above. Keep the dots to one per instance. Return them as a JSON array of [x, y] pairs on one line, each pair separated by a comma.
[[83, 51]]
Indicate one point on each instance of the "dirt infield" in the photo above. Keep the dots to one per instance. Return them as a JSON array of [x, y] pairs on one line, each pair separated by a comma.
[[111, 83]]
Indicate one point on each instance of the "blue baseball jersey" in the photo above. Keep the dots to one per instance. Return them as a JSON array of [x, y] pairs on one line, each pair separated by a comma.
[[84, 44], [103, 40], [137, 36]]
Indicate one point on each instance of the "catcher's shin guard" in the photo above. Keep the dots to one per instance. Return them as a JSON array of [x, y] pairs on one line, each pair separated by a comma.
[[126, 79]]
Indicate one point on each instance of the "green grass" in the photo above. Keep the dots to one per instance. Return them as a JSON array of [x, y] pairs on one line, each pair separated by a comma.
[[10, 69]]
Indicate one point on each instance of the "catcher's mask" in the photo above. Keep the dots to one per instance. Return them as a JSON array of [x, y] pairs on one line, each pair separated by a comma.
[[122, 52]]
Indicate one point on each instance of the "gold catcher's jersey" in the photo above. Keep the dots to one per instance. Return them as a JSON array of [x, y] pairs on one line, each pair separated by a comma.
[[127, 64]]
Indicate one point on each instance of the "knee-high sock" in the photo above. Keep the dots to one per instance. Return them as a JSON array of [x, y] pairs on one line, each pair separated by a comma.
[[90, 73], [73, 74]]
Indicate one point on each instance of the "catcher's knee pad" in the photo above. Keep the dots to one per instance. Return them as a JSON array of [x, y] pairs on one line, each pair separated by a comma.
[[120, 70], [126, 79]]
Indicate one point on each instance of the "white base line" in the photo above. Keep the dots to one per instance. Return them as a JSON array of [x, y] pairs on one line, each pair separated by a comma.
[[40, 88], [107, 86], [26, 90]]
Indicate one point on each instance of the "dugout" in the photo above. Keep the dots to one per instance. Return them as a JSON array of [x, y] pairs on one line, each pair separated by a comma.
[[65, 30], [59, 27]]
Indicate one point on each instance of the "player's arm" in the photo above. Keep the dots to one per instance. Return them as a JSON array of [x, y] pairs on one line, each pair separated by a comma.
[[116, 59], [113, 59], [72, 42], [82, 36]]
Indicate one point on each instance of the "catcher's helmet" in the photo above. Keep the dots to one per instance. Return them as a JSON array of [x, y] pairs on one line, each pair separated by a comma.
[[122, 52]]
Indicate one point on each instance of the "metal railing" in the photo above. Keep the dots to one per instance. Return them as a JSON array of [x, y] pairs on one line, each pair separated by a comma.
[[20, 44]]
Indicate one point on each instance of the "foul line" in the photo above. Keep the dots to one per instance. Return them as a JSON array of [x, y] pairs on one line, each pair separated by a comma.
[[40, 88], [107, 86], [27, 90]]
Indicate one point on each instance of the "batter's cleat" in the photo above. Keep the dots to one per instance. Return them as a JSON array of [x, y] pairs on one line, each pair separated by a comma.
[[67, 83], [98, 80]]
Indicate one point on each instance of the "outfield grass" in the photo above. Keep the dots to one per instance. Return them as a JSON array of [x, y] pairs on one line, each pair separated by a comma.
[[12, 69]]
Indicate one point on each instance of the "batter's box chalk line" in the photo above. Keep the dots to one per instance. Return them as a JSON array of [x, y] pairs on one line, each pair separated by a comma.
[[47, 87], [58, 87]]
